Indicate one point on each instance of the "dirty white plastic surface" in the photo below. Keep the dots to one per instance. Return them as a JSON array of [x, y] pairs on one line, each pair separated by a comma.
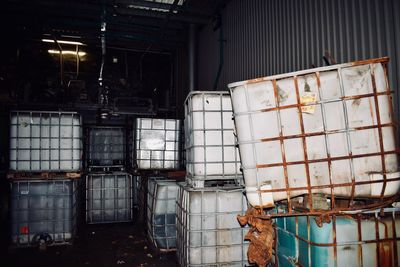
[[157, 143], [45, 141], [208, 231], [333, 138], [161, 207], [209, 137]]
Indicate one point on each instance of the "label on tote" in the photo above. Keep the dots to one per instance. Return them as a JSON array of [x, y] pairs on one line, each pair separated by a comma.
[[308, 98]]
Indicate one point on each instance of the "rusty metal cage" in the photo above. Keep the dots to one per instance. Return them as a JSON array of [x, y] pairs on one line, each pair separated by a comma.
[[320, 140], [353, 239]]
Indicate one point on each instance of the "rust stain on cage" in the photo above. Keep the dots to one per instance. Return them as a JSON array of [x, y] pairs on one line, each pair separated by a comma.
[[343, 98], [338, 211], [378, 119], [324, 132], [296, 86], [382, 60], [259, 166], [302, 188], [328, 155], [281, 139]]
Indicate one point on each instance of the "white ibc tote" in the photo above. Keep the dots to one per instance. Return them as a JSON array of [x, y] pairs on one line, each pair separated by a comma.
[[326, 130]]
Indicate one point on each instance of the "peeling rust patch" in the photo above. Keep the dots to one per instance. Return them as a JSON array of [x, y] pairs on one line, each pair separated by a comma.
[[324, 218], [260, 235]]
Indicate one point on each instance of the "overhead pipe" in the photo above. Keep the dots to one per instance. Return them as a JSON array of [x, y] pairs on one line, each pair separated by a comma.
[[103, 92], [103, 50]]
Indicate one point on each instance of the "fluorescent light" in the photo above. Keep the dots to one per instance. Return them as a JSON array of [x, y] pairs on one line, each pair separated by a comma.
[[62, 42], [67, 52]]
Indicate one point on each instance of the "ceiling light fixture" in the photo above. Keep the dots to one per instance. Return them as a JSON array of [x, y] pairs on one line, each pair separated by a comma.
[[67, 52], [62, 42]]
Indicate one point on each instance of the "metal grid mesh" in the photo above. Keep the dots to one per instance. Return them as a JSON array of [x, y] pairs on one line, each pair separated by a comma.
[[362, 239], [161, 213], [301, 159], [210, 143], [43, 209], [45, 141], [109, 198], [105, 146], [208, 233], [157, 144]]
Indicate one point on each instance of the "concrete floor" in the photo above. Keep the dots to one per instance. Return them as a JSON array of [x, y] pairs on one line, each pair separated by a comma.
[[96, 245]]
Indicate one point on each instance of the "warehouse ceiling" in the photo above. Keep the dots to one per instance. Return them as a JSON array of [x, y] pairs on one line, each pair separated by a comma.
[[129, 23], [113, 55]]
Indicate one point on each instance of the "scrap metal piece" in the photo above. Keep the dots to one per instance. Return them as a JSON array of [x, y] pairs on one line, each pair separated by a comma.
[[260, 235]]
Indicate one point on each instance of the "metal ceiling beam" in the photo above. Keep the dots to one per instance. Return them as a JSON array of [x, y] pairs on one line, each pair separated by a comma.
[[162, 15], [165, 6]]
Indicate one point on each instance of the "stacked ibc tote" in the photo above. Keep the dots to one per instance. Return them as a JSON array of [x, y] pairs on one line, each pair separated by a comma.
[[109, 188], [320, 162], [45, 165], [156, 155], [208, 233]]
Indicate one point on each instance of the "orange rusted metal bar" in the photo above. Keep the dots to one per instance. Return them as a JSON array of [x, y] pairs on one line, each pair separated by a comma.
[[332, 158], [378, 119], [281, 138], [343, 98], [325, 132], [305, 154], [327, 186], [382, 60]]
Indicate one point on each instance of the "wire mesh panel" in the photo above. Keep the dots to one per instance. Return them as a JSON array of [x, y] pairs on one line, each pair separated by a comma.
[[109, 197], [157, 143], [45, 141], [364, 239], [105, 146], [210, 143], [136, 179], [43, 211], [161, 210], [327, 130], [208, 233]]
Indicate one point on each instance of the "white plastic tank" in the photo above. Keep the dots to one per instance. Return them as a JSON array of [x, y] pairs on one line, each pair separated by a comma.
[[157, 143], [208, 233], [161, 210], [210, 143], [321, 130], [45, 141]]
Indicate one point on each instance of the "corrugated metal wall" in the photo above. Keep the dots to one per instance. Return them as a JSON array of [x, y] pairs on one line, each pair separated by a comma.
[[266, 37]]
